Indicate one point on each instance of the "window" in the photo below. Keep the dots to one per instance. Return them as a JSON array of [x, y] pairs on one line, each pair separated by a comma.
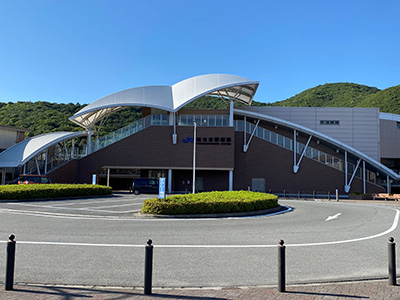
[[329, 122]]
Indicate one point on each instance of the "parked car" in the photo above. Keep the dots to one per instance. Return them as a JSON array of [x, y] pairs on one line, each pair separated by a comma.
[[33, 179], [145, 185]]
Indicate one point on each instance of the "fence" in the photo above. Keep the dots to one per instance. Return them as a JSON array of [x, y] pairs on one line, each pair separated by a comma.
[[148, 265]]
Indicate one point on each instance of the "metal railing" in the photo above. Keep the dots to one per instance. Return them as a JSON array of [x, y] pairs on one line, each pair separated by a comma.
[[311, 153]]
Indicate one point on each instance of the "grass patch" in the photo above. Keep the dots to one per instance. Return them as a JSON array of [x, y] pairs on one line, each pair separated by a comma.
[[46, 191], [210, 203]]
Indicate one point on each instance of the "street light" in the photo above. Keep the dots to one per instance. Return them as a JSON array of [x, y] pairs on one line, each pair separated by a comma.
[[194, 156]]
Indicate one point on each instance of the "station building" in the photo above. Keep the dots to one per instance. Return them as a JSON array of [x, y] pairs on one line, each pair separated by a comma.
[[283, 150]]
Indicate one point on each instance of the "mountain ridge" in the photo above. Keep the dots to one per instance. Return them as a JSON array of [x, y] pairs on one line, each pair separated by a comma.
[[43, 117]]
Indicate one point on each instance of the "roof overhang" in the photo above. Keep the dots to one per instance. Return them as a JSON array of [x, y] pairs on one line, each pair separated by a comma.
[[168, 98], [21, 153]]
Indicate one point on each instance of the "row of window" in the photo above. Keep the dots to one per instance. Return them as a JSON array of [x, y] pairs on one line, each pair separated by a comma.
[[329, 122], [203, 120]]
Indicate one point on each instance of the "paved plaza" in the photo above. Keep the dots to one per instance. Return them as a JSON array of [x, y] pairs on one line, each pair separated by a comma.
[[375, 290]]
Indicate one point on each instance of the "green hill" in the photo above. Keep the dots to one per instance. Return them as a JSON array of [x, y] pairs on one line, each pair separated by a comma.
[[331, 95], [388, 100], [347, 95], [44, 117]]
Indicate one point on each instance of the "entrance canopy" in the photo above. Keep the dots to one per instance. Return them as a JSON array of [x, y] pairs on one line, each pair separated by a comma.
[[169, 98], [21, 153]]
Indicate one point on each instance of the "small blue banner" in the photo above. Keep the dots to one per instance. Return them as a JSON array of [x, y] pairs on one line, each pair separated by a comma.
[[161, 188]]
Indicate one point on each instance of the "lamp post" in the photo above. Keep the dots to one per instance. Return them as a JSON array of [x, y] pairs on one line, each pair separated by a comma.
[[194, 156]]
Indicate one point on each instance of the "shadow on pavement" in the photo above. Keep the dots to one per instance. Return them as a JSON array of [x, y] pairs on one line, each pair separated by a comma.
[[68, 293], [327, 294]]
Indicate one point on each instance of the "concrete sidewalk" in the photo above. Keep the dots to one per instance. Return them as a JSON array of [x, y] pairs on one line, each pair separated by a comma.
[[349, 290]]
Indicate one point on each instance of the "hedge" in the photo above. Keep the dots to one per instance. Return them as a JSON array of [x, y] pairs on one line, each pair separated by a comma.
[[210, 203], [44, 191]]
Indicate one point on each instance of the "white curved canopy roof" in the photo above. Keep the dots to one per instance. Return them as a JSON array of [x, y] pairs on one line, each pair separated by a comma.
[[22, 152], [323, 137], [169, 98]]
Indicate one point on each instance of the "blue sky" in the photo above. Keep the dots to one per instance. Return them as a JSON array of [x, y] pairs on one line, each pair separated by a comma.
[[80, 51]]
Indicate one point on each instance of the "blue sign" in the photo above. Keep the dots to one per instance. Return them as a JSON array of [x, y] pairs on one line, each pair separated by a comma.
[[188, 139], [161, 188]]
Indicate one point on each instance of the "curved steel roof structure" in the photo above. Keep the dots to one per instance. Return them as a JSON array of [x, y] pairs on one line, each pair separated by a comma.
[[169, 98], [322, 137], [22, 152]]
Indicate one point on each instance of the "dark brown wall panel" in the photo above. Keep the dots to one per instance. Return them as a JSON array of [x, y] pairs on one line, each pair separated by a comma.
[[275, 164], [153, 147], [67, 173]]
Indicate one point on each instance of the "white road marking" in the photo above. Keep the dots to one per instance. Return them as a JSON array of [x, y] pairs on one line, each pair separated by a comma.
[[333, 217], [392, 228], [91, 202], [98, 209], [112, 211], [131, 219]]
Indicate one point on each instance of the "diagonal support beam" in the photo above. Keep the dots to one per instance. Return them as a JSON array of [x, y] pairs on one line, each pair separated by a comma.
[[347, 186], [296, 166], [246, 144]]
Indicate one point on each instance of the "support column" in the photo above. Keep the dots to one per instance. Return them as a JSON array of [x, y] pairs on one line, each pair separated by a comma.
[[73, 149], [169, 181], [108, 176], [295, 168], [45, 161], [231, 180], [387, 184], [364, 179], [345, 172], [174, 135], [231, 113], [194, 157], [37, 166], [89, 142]]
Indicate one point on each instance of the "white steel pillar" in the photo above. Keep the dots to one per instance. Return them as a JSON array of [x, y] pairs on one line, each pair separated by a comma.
[[364, 179], [294, 150], [174, 135], [231, 113], [108, 176], [345, 168], [194, 157], [169, 181], [37, 166], [73, 149], [89, 142], [45, 161], [231, 180]]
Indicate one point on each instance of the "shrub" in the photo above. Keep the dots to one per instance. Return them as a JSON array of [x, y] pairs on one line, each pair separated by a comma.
[[210, 203], [44, 191]]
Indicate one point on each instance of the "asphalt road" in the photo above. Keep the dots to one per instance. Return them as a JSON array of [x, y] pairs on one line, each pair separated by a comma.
[[99, 242]]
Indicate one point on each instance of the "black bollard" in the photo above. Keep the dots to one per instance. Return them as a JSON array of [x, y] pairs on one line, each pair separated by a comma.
[[392, 261], [9, 282], [148, 268], [281, 267]]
